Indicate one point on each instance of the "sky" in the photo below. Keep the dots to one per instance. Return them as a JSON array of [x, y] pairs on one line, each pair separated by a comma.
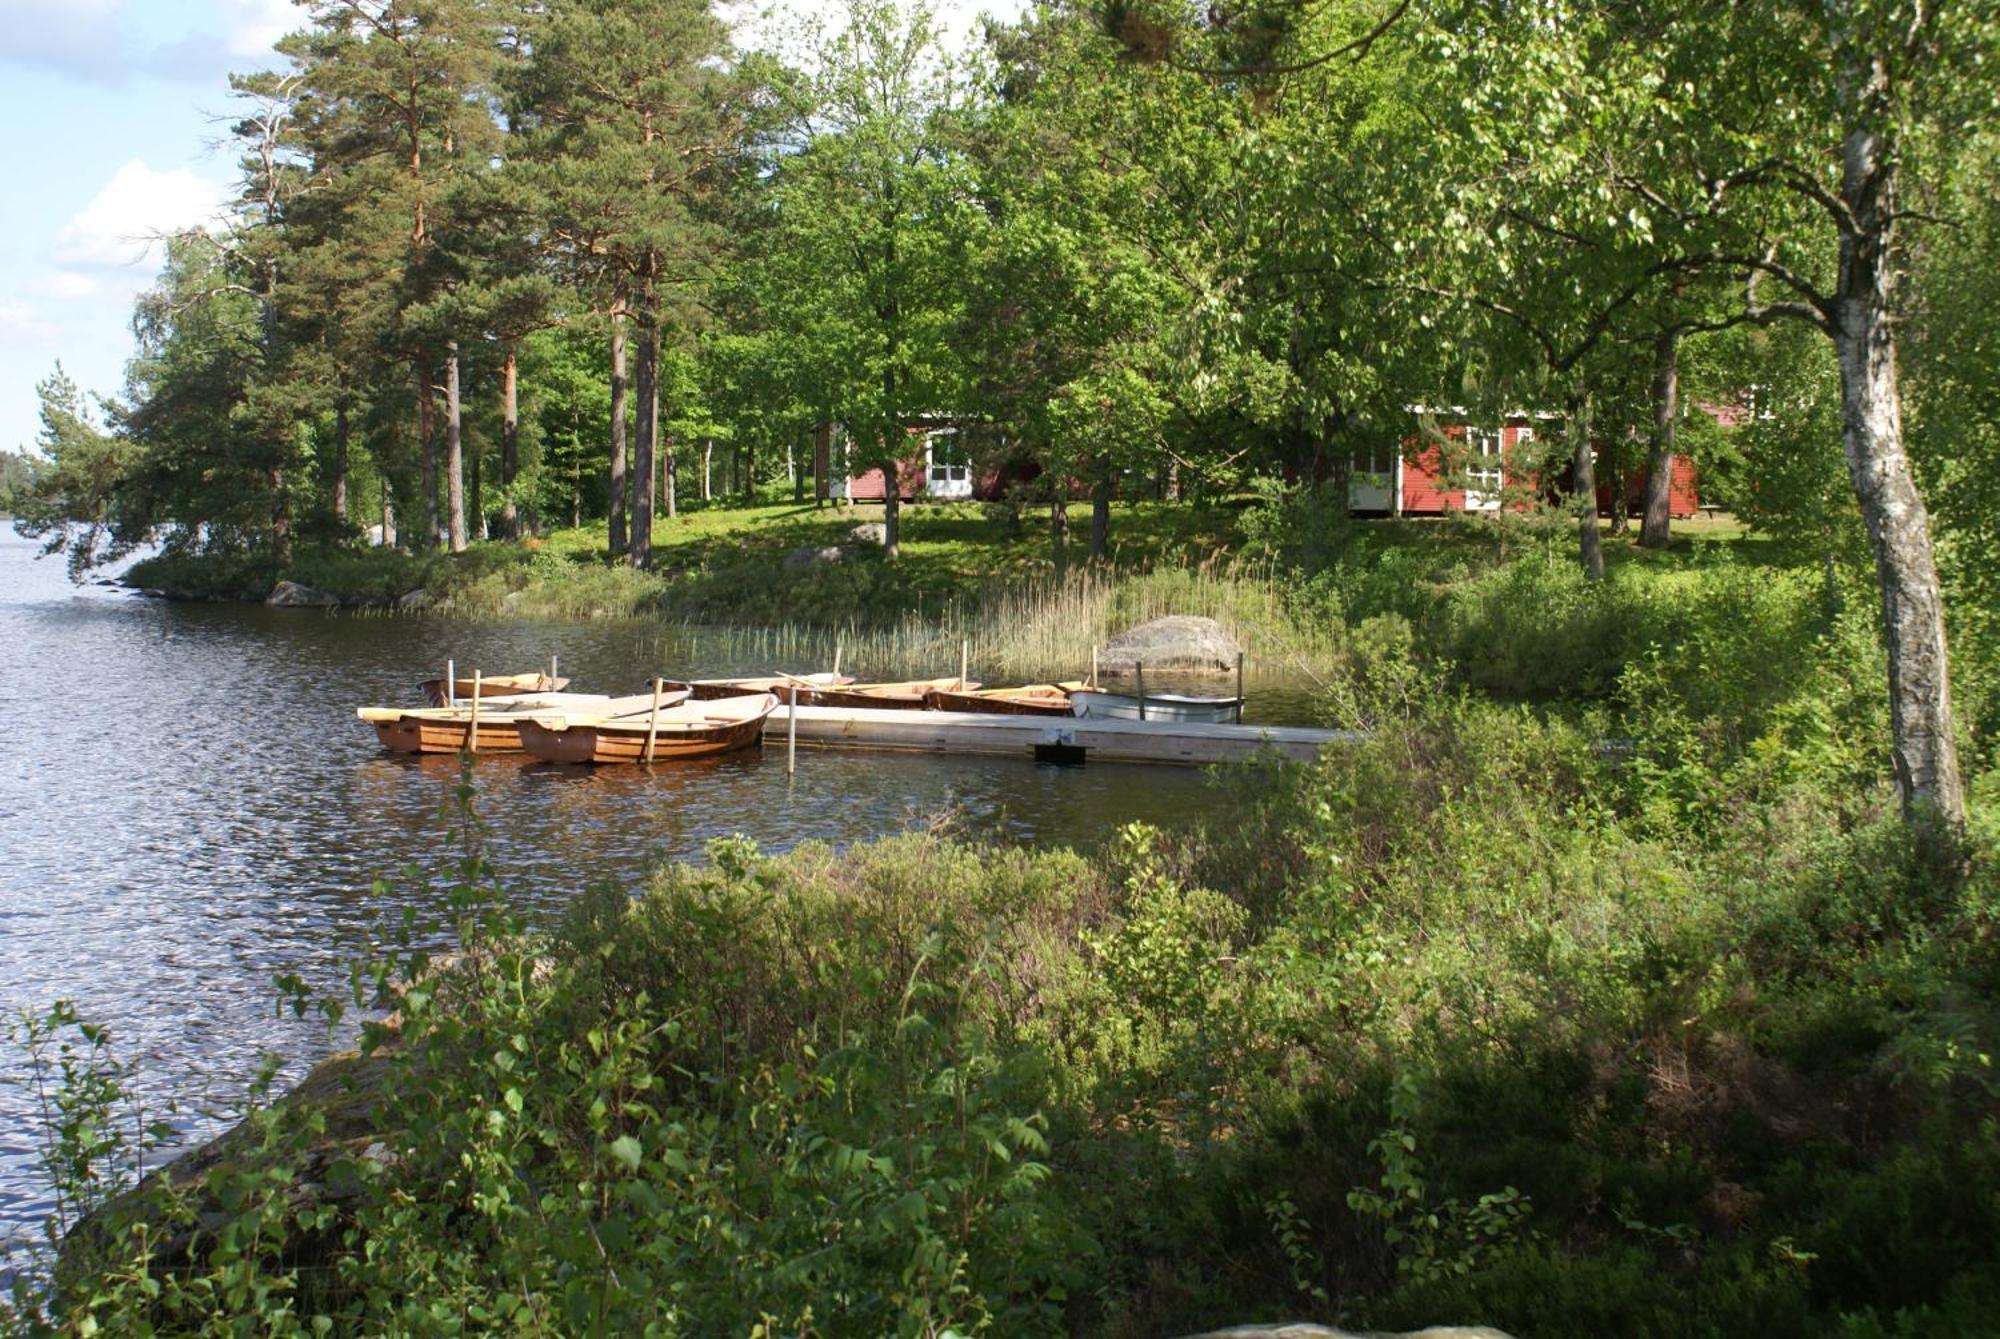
[[115, 112]]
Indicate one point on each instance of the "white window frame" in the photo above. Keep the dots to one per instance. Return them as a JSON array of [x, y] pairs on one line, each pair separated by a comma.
[[950, 477], [1485, 468]]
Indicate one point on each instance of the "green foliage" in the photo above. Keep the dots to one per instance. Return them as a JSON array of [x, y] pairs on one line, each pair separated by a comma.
[[1456, 1026]]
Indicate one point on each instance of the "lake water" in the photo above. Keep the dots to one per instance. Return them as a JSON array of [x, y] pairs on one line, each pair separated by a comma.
[[188, 807]]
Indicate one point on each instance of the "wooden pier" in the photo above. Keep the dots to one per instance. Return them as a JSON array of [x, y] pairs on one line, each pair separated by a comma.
[[1049, 738]]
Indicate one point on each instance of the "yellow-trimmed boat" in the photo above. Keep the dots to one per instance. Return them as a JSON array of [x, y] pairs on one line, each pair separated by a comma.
[[498, 729], [1040, 699], [700, 729]]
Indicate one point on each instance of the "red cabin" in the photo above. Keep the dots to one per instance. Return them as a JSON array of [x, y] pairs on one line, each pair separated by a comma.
[[1417, 481], [937, 466]]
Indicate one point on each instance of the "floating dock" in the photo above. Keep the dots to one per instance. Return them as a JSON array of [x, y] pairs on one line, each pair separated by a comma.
[[1049, 738]]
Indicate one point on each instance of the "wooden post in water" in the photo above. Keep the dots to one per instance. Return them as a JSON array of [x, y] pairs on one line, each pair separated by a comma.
[[792, 735], [552, 673], [964, 656], [472, 730], [653, 720], [1139, 668], [1239, 688], [1093, 664], [836, 660], [451, 683]]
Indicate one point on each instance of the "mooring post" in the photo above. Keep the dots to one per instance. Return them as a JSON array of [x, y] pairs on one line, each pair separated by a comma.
[[1093, 664], [552, 673], [1239, 688], [1139, 668], [836, 660], [653, 721], [964, 658], [792, 734], [472, 731], [451, 683]]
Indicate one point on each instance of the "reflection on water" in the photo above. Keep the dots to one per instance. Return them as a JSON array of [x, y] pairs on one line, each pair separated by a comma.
[[188, 807]]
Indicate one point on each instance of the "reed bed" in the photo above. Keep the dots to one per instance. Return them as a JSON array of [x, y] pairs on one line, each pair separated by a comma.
[[1046, 630]]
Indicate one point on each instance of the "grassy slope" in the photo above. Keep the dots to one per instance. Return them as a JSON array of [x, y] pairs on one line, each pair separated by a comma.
[[725, 563]]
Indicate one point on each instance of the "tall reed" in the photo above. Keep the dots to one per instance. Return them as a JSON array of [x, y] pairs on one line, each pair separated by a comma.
[[1045, 630]]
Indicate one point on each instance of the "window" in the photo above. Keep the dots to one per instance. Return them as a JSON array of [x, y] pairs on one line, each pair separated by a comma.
[[947, 458], [1378, 458], [1483, 470]]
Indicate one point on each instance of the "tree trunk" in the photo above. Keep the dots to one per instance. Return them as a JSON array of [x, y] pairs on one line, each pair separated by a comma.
[[1583, 482], [892, 508], [792, 468], [746, 464], [616, 500], [707, 469], [669, 479], [1340, 476], [510, 442], [645, 440], [427, 437], [281, 516], [475, 499], [1656, 528], [388, 509], [1924, 743], [454, 448], [1100, 514], [1059, 534], [340, 461]]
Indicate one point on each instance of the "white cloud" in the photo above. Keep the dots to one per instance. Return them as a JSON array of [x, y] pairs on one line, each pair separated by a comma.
[[255, 24], [22, 326], [122, 224], [67, 285], [79, 38]]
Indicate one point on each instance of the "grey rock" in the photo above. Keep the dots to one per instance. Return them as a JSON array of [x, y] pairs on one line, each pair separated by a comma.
[[1177, 642], [870, 532], [814, 556], [1300, 1330], [291, 595], [416, 601]]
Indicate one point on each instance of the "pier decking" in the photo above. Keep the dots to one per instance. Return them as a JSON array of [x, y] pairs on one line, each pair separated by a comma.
[[1048, 738]]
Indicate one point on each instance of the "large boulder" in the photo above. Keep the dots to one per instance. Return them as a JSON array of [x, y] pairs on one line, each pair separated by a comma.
[[416, 601], [813, 555], [870, 532], [1299, 1330], [291, 595], [1178, 642]]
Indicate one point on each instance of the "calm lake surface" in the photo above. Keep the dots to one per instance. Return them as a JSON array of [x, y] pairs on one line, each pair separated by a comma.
[[188, 807]]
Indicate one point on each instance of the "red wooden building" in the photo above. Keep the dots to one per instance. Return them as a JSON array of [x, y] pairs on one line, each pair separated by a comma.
[[937, 466], [1418, 480]]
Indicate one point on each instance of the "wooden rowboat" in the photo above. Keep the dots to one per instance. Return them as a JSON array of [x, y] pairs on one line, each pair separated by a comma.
[[491, 685], [781, 685], [450, 729], [701, 729], [909, 695], [1042, 699], [1095, 702]]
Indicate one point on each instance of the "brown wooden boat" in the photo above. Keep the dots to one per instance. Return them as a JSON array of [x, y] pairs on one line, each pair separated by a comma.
[[910, 695], [700, 729], [450, 729], [491, 685], [1041, 699], [782, 686]]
